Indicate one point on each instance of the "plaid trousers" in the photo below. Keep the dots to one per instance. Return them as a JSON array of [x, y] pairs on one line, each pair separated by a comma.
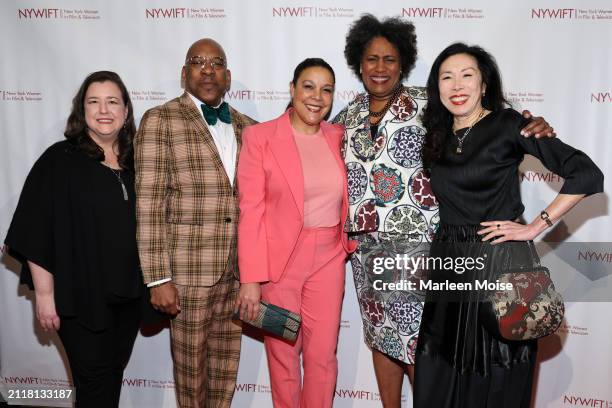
[[206, 344]]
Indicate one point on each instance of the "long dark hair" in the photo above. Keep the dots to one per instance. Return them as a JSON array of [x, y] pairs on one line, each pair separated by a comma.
[[309, 63], [76, 126], [398, 32], [436, 119]]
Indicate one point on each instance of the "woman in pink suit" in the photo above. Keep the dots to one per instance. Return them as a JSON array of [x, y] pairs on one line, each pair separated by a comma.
[[291, 244]]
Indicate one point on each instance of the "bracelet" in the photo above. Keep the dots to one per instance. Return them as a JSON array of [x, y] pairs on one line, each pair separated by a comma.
[[544, 215]]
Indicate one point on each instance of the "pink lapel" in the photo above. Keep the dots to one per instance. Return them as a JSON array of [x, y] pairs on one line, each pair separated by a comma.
[[334, 144], [287, 156], [333, 135]]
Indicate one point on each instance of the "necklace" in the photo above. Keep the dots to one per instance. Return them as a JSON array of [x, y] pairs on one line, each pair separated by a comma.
[[117, 174], [380, 113], [460, 139]]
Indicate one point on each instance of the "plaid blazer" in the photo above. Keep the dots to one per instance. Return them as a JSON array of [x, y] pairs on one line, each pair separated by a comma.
[[186, 208]]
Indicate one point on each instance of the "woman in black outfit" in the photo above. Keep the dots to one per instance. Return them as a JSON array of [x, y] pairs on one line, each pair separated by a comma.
[[74, 230], [473, 149]]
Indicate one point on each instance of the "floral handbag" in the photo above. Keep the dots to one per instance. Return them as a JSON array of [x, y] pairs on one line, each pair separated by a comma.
[[530, 310]]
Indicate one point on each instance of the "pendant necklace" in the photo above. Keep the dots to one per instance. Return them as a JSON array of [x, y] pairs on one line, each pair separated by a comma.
[[460, 139], [117, 173]]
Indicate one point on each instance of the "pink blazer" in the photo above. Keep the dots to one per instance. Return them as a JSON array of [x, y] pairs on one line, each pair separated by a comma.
[[271, 197]]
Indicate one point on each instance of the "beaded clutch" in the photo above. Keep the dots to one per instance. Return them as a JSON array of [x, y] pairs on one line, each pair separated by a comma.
[[276, 320]]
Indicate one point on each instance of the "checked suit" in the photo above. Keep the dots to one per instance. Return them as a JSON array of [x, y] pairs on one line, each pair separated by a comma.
[[187, 215]]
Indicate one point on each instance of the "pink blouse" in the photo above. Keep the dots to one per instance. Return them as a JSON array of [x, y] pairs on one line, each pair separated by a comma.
[[322, 181]]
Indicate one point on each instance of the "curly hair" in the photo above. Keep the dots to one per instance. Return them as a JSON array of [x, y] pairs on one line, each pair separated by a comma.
[[76, 126], [398, 32], [436, 119]]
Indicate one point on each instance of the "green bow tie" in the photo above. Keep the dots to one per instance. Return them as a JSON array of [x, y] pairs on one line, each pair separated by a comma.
[[212, 114]]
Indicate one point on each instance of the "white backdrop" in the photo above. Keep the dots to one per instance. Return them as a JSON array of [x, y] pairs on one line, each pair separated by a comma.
[[555, 58]]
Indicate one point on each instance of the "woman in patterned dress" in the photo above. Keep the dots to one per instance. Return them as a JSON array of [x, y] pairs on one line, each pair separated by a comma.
[[389, 194]]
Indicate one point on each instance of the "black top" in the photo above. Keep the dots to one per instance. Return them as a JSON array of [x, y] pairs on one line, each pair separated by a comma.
[[482, 183], [73, 221]]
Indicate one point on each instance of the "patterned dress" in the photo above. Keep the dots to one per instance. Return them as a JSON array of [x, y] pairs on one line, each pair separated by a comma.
[[390, 201]]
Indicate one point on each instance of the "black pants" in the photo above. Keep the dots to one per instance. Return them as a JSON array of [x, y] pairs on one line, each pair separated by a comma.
[[97, 358]]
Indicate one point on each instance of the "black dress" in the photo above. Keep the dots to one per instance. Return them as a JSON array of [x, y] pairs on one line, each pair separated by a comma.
[[458, 363], [73, 221]]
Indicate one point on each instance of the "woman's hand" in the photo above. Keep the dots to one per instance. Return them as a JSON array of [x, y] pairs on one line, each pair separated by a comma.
[[502, 231], [247, 302], [45, 301], [46, 313]]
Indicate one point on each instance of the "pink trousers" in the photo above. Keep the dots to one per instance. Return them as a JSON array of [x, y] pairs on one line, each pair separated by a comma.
[[313, 286]]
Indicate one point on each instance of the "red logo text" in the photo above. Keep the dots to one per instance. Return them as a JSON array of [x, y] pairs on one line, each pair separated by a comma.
[[422, 12], [38, 13], [559, 13], [601, 97], [304, 11], [176, 12]]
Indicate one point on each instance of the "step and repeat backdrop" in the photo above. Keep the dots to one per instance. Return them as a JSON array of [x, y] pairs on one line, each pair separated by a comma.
[[556, 61]]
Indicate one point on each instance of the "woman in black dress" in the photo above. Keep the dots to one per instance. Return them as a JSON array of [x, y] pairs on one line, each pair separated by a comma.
[[74, 230], [473, 149]]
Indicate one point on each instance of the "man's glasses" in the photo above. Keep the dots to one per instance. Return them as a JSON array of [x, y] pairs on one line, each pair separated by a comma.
[[215, 63]]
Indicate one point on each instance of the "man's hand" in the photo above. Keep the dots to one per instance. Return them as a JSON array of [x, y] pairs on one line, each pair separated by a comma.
[[537, 127], [248, 301], [164, 298]]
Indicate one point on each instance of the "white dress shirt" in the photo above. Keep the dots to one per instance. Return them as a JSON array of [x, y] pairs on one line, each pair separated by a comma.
[[227, 147], [225, 141]]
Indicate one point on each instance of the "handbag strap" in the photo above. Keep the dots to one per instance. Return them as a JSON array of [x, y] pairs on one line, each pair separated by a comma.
[[534, 254]]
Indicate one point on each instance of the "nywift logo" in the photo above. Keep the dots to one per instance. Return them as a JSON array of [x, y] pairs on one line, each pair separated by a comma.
[[178, 13], [536, 176], [580, 401], [553, 13], [173, 12], [301, 11], [431, 12], [57, 14], [312, 12], [38, 13], [582, 14], [458, 13], [253, 388], [601, 97], [147, 383], [240, 94]]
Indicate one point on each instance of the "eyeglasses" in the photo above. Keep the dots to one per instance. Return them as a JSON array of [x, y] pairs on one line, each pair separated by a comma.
[[216, 63]]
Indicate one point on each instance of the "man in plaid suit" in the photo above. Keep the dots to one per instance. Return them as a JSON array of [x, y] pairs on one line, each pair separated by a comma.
[[185, 155]]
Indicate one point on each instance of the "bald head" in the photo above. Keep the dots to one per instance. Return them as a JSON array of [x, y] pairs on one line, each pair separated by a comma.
[[208, 44]]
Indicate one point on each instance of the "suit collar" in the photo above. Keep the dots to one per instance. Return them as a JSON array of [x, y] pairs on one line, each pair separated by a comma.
[[194, 116], [286, 153], [288, 158]]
